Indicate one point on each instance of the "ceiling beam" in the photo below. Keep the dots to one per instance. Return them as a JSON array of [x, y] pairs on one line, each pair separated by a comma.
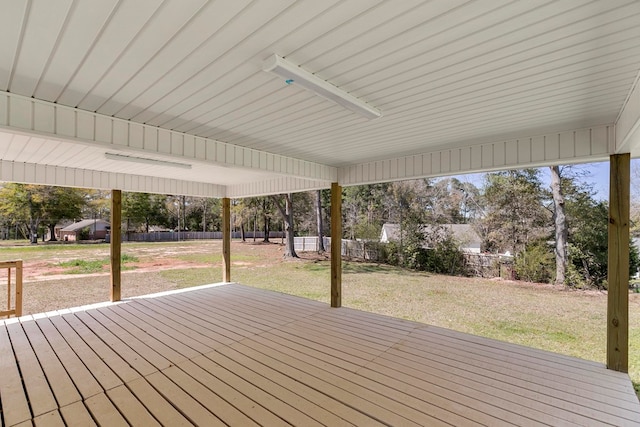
[[628, 123], [28, 115], [31, 173], [573, 146], [275, 186]]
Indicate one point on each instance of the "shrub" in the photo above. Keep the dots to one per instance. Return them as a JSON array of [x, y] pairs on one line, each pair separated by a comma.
[[535, 263]]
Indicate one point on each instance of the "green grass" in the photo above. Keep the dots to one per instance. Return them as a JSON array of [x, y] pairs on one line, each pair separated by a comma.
[[83, 266]]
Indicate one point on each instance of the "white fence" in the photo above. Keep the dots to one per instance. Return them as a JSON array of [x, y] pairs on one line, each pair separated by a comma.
[[350, 248]]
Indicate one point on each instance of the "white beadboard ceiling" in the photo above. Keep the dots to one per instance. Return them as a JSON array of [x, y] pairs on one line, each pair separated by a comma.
[[445, 74]]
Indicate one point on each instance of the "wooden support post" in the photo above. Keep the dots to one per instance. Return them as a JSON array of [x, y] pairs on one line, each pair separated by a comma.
[[17, 307], [336, 245], [116, 244], [618, 264], [18, 288], [226, 240]]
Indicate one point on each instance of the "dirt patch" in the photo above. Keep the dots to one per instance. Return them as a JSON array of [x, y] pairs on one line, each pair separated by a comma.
[[49, 286]]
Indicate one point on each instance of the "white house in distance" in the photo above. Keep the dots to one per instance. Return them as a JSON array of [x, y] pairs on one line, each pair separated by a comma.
[[469, 240]]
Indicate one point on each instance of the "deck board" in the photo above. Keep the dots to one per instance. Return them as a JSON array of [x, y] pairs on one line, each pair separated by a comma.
[[77, 414], [11, 390], [235, 355], [38, 392]]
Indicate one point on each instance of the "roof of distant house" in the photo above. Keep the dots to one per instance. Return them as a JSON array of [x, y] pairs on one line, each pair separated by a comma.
[[84, 223], [464, 233]]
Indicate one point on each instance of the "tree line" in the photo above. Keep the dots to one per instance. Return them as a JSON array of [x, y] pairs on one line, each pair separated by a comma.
[[555, 233]]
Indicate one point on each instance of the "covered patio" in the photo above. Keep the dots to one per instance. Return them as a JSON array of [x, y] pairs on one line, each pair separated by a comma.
[[229, 354], [238, 98]]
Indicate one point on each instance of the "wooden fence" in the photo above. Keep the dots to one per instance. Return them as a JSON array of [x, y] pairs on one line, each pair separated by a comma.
[[489, 265], [17, 292]]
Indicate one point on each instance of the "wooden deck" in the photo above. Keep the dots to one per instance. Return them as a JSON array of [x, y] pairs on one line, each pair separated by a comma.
[[234, 355]]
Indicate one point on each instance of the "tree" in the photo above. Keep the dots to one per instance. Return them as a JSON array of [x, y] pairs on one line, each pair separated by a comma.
[[144, 209], [318, 207], [61, 203], [21, 204], [588, 237], [39, 204], [267, 213], [284, 203], [515, 214], [364, 210], [560, 225]]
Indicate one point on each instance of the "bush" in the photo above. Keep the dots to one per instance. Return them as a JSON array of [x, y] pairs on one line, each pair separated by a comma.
[[443, 257], [536, 263], [447, 258]]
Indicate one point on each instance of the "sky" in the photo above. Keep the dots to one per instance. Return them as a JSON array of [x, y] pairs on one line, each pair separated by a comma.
[[596, 174]]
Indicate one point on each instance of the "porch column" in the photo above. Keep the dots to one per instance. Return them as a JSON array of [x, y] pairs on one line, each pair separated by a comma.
[[618, 264], [116, 243], [336, 245], [226, 240]]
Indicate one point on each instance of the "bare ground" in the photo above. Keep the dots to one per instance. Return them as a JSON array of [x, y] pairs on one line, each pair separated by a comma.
[[48, 286]]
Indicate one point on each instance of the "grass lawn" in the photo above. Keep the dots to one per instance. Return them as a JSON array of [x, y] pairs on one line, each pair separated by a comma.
[[542, 316]]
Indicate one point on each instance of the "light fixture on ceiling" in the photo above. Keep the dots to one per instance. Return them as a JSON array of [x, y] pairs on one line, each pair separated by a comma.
[[144, 160], [293, 74]]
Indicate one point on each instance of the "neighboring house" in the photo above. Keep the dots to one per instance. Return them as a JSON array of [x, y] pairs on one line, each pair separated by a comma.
[[87, 229], [469, 240], [58, 227]]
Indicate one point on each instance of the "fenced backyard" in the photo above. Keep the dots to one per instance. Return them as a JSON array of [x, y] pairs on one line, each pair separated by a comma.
[[541, 316]]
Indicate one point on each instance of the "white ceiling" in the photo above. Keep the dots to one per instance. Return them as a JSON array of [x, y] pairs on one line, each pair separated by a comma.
[[445, 74], [23, 148]]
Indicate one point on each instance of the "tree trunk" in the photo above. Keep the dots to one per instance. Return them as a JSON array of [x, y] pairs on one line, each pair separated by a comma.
[[287, 216], [184, 213], [242, 237], [52, 230], [288, 225], [319, 221], [204, 216], [266, 230], [33, 230], [560, 223], [266, 221], [255, 224]]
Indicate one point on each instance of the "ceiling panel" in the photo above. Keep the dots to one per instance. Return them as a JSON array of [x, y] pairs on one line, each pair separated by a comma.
[[444, 73], [125, 23]]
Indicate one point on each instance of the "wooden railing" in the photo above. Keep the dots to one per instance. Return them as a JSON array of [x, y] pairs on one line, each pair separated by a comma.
[[17, 307]]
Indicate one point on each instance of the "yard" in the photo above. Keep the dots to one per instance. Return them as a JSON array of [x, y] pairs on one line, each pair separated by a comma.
[[569, 322]]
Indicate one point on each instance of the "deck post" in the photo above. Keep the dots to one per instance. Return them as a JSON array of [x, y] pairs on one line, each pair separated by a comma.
[[226, 239], [116, 243], [618, 263], [336, 245]]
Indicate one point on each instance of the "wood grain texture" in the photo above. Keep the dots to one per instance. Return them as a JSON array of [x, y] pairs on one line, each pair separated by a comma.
[[116, 244], [336, 245], [618, 262], [276, 359], [226, 240]]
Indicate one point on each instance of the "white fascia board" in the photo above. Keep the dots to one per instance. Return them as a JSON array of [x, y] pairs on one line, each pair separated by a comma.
[[573, 146], [28, 115], [628, 122], [31, 173], [275, 186]]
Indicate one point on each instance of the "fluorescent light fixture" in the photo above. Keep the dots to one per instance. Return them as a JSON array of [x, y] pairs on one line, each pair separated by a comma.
[[293, 74], [144, 160]]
